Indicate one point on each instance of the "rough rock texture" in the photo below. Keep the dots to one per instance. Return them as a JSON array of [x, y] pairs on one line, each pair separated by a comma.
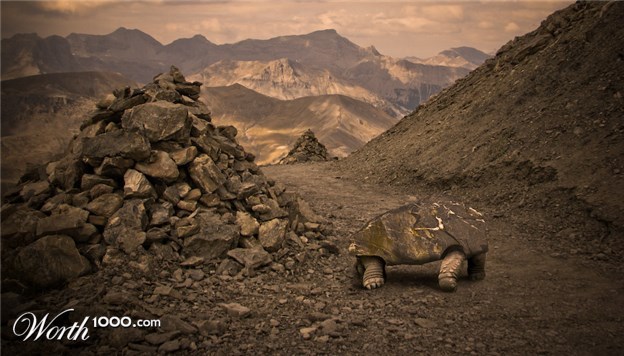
[[307, 148], [50, 261], [536, 132], [149, 177]]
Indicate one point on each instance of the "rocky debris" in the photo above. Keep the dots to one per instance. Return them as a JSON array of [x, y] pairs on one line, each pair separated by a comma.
[[307, 148], [150, 177]]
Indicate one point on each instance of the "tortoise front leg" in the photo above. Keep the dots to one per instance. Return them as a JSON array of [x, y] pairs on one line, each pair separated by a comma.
[[449, 270], [373, 271]]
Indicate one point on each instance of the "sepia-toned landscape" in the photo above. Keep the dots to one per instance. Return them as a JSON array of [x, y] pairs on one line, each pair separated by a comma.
[[213, 190]]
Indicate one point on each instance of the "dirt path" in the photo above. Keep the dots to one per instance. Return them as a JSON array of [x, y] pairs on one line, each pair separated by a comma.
[[529, 303]]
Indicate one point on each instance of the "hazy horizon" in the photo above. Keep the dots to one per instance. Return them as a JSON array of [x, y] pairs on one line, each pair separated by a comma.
[[398, 28]]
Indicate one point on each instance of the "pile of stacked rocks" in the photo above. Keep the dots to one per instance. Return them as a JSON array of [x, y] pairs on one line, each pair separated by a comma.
[[148, 174], [307, 148]]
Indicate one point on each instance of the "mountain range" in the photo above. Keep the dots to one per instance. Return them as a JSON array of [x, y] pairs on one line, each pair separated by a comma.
[[318, 63], [269, 126]]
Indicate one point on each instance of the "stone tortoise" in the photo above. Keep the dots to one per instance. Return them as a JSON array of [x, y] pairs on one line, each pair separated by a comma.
[[419, 233]]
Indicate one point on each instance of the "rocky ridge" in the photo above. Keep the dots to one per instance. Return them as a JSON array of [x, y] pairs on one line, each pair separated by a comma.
[[534, 135], [307, 148], [149, 178]]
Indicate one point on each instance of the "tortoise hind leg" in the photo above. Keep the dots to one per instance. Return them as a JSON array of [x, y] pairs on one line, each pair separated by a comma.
[[373, 269], [449, 270], [476, 267]]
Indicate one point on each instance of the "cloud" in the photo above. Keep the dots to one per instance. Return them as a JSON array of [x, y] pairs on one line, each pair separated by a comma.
[[71, 6], [512, 27], [443, 13]]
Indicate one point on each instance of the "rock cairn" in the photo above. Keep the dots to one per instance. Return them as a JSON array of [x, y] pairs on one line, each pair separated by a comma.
[[307, 148], [149, 174]]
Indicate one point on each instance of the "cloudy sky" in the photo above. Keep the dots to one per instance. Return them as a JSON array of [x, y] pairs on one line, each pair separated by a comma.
[[396, 28]]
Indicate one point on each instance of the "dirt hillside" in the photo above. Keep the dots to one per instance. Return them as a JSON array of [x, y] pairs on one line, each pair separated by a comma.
[[535, 135]]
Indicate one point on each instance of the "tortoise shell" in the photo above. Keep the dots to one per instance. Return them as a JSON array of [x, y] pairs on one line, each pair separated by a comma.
[[421, 232]]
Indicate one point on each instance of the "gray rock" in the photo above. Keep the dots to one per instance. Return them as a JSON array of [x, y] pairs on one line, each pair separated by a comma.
[[425, 323], [20, 227], [159, 121], [64, 220], [183, 189], [244, 165], [84, 234], [99, 190], [235, 309], [196, 274], [160, 213], [169, 346], [211, 327], [89, 181], [124, 228], [122, 104], [34, 188], [188, 205], [213, 240], [228, 131], [199, 126], [105, 205], [269, 210], [192, 261], [247, 189], [170, 322], [81, 199], [114, 167], [306, 214], [205, 173], [192, 90], [172, 194], [67, 172], [156, 234], [187, 227], [160, 166], [176, 75], [231, 148], [272, 234], [184, 156], [208, 145], [193, 194], [50, 261], [117, 143], [136, 185], [248, 224], [93, 252], [251, 258], [169, 95]]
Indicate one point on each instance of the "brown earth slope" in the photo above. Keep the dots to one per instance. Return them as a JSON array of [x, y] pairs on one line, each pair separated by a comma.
[[534, 135]]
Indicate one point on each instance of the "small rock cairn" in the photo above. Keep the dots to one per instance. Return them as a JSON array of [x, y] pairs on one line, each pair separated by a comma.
[[307, 148]]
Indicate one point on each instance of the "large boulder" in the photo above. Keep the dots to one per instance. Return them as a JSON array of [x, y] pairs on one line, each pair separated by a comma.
[[126, 227], [160, 166], [159, 121], [214, 239], [205, 173], [116, 143], [50, 261]]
